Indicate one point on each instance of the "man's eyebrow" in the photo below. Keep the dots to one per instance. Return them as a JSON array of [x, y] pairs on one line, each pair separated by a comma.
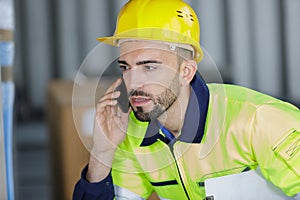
[[122, 62], [143, 62], [148, 61]]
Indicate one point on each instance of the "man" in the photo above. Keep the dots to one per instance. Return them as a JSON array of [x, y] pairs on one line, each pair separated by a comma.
[[180, 131]]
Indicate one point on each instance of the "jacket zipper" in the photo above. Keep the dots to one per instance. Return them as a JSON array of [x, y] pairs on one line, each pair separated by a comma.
[[178, 170]]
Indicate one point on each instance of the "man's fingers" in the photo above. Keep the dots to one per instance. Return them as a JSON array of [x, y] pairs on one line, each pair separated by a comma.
[[101, 106], [111, 95]]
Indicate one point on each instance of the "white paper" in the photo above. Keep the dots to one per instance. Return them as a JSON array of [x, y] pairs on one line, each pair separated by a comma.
[[243, 186]]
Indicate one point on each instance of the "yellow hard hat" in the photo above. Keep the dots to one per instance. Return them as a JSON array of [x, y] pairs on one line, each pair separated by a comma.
[[160, 20]]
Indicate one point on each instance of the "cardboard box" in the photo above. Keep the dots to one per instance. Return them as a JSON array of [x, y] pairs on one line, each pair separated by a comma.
[[70, 113], [68, 154]]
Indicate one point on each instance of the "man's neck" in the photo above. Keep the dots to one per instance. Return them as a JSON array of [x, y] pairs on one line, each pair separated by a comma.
[[173, 118]]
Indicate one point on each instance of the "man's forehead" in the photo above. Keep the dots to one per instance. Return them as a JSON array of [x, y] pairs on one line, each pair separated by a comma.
[[134, 52]]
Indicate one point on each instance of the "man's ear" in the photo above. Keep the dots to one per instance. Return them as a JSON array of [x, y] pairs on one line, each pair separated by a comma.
[[188, 69]]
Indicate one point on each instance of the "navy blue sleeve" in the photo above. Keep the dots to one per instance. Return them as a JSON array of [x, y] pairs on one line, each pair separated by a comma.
[[102, 190]]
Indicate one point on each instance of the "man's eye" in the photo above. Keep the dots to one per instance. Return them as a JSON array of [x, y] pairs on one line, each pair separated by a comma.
[[124, 68], [149, 68]]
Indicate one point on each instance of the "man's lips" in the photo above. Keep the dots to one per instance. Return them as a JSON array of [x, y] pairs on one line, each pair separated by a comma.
[[139, 100]]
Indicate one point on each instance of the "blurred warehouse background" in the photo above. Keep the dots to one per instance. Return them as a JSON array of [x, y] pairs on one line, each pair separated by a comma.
[[255, 43]]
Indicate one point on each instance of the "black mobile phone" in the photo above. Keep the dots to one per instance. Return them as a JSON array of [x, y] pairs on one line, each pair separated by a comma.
[[123, 99]]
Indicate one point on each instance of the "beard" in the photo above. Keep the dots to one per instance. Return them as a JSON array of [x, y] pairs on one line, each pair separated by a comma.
[[162, 102]]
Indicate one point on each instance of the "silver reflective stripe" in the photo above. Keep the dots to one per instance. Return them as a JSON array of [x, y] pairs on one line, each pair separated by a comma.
[[124, 194], [163, 198], [297, 197]]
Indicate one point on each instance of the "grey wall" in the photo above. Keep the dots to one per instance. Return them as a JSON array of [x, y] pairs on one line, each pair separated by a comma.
[[255, 43]]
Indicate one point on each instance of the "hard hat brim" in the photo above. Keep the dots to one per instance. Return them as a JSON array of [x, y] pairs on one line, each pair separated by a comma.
[[148, 36], [109, 40]]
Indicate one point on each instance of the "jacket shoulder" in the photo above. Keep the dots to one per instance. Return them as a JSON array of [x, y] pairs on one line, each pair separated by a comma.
[[239, 94]]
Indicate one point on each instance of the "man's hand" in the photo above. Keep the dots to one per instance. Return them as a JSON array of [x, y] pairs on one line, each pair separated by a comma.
[[110, 126]]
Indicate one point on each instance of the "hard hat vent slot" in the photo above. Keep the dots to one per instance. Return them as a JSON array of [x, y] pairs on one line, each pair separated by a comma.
[[185, 15], [179, 15]]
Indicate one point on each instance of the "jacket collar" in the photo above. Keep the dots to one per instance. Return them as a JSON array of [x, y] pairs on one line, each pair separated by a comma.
[[195, 117]]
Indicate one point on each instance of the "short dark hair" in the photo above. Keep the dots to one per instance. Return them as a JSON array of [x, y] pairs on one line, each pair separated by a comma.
[[183, 54]]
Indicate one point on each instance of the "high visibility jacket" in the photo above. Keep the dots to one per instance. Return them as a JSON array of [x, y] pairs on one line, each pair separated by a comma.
[[226, 131]]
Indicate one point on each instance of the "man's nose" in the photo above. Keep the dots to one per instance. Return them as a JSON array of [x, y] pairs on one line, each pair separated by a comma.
[[134, 79]]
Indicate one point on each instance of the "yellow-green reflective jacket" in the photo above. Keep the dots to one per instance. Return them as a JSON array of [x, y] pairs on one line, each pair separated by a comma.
[[243, 129]]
